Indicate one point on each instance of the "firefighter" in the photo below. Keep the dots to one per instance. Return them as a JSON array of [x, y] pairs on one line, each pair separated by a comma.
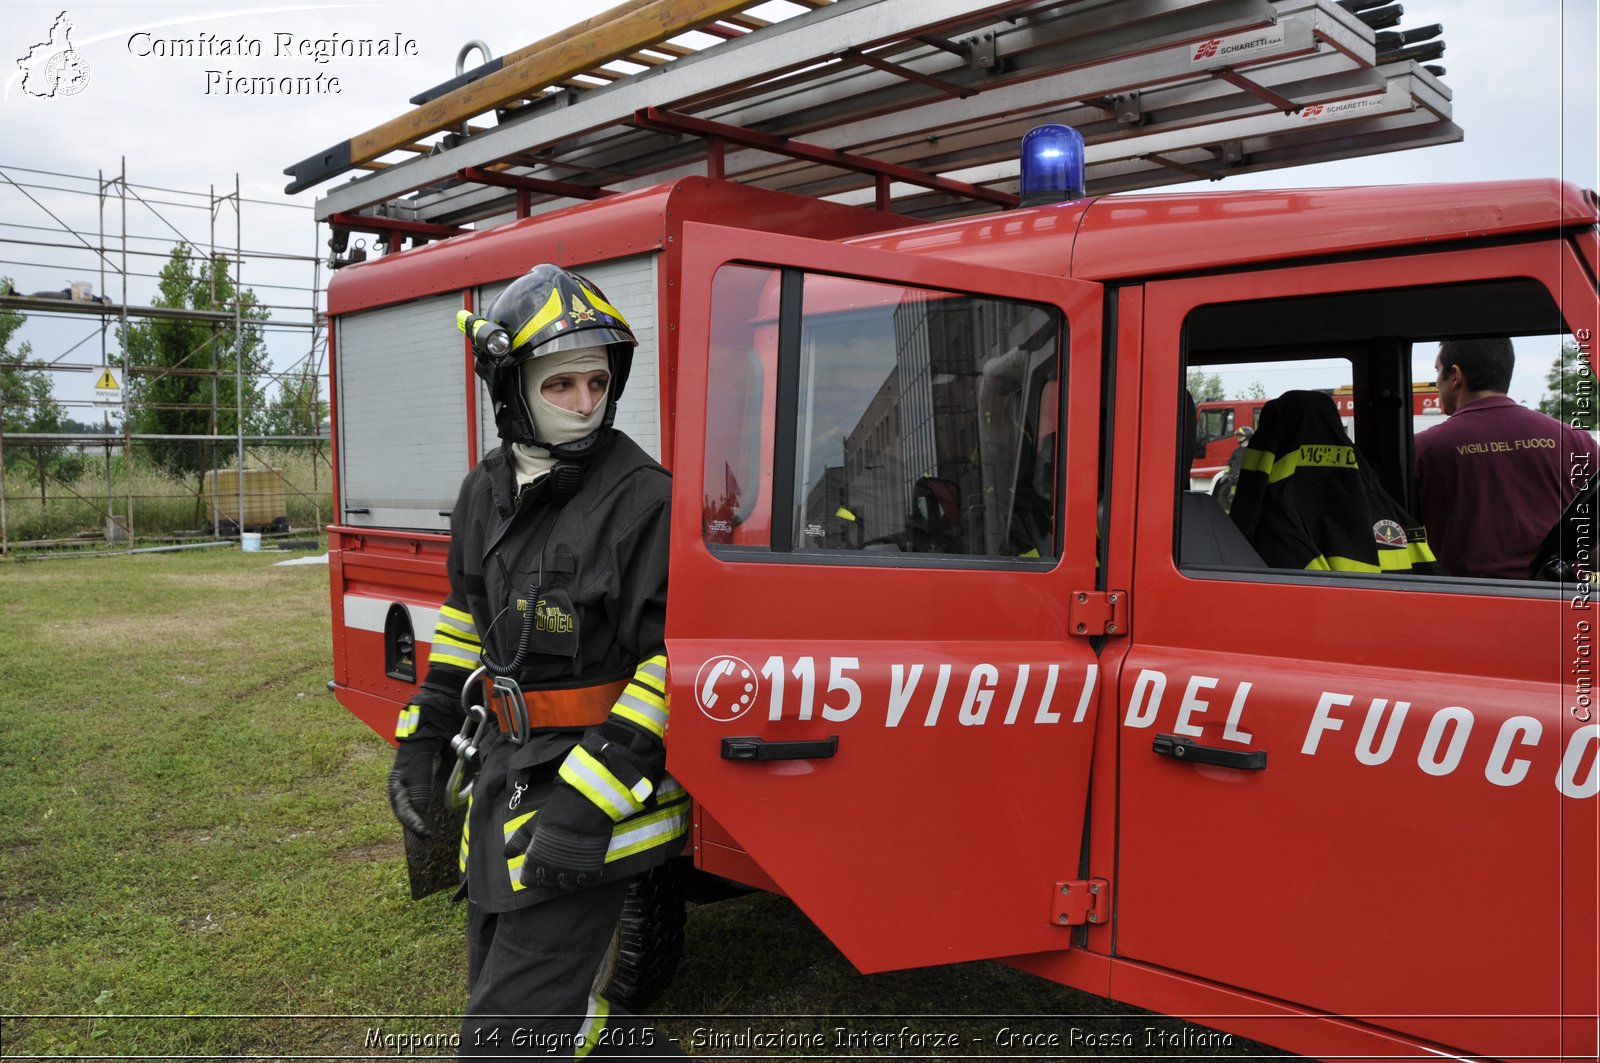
[[1230, 476], [555, 624]]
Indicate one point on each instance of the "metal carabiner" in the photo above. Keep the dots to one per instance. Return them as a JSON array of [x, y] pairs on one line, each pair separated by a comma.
[[466, 745]]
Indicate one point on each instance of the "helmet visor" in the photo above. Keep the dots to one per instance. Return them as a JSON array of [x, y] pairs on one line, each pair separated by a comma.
[[596, 336]]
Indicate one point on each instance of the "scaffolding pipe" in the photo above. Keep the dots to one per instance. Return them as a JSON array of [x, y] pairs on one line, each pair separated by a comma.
[[5, 541], [127, 427], [238, 342]]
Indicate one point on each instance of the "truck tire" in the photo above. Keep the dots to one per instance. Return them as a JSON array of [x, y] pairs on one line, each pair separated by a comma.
[[648, 941]]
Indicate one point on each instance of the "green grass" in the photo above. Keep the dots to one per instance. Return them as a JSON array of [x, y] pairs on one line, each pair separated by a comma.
[[194, 839]]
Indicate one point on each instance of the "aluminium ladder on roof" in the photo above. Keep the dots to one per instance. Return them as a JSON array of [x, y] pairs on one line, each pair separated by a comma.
[[914, 105]]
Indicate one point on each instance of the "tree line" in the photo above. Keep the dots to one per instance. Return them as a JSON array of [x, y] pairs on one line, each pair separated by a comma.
[[187, 377]]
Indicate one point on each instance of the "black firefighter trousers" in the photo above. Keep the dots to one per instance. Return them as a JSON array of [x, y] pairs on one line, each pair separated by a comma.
[[529, 976]]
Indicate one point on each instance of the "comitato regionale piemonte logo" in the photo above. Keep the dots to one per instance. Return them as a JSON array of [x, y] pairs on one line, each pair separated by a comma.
[[53, 67]]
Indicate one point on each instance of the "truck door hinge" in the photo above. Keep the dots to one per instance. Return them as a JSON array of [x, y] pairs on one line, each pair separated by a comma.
[[1081, 901], [1098, 613]]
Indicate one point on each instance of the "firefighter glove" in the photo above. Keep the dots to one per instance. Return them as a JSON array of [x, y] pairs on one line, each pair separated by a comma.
[[411, 782], [565, 842]]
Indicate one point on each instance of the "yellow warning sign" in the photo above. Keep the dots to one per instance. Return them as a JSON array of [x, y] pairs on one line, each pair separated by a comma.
[[107, 392]]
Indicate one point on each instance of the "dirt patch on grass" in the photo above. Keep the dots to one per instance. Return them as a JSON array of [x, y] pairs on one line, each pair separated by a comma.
[[363, 853], [17, 907], [106, 631]]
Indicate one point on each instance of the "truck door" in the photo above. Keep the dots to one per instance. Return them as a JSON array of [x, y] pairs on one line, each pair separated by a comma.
[[874, 691], [1350, 793]]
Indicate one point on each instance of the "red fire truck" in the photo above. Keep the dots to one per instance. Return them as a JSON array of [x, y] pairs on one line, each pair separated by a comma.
[[959, 662]]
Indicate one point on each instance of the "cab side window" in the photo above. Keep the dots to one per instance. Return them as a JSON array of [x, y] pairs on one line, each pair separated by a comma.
[[880, 421], [1216, 424], [1353, 373]]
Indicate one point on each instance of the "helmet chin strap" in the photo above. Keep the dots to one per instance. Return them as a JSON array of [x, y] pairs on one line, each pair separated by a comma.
[[563, 475]]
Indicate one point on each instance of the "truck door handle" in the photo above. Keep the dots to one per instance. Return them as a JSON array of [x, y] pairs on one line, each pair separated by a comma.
[[1190, 750], [761, 749]]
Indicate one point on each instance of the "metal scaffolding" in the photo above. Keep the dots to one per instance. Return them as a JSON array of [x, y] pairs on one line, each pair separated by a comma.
[[57, 236]]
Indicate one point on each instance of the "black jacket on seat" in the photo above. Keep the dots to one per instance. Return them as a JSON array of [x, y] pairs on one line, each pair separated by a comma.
[[1307, 500]]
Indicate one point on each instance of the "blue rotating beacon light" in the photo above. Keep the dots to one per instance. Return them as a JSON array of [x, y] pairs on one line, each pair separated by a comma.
[[1052, 165]]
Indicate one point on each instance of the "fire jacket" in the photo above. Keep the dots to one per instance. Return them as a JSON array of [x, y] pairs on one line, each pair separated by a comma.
[[584, 585], [1307, 499]]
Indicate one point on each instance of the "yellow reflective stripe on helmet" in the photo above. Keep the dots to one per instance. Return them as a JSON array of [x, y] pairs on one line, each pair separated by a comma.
[[551, 310], [644, 700], [586, 774], [410, 719], [1310, 456], [594, 1025], [601, 305]]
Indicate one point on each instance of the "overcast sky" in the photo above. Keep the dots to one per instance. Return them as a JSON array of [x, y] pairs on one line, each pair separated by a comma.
[[1525, 77]]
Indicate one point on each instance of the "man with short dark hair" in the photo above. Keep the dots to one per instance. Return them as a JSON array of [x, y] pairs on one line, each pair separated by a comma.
[[1493, 479]]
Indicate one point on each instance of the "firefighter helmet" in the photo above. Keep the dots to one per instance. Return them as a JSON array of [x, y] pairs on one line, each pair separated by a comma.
[[546, 310]]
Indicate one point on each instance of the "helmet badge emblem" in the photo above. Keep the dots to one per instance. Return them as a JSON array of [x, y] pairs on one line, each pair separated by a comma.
[[580, 313]]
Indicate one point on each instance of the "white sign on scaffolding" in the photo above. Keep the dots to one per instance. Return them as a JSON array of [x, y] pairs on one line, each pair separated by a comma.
[[107, 390]]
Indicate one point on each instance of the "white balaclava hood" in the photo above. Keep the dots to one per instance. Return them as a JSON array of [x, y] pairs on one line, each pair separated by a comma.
[[552, 422]]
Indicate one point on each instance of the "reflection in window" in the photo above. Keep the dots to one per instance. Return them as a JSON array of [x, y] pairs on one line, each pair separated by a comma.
[[926, 422], [913, 421], [738, 465]]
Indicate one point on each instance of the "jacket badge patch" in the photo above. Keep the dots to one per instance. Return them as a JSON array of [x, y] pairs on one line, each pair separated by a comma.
[[1387, 533]]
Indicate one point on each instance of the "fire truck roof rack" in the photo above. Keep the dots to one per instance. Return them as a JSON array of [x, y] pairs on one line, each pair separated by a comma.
[[915, 107]]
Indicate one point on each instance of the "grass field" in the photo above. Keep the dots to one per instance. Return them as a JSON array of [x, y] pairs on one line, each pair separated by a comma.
[[197, 859]]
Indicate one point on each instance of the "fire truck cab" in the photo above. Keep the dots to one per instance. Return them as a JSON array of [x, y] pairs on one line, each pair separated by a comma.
[[962, 663]]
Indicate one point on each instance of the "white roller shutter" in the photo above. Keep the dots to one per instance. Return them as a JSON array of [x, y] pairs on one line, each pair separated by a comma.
[[402, 414]]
